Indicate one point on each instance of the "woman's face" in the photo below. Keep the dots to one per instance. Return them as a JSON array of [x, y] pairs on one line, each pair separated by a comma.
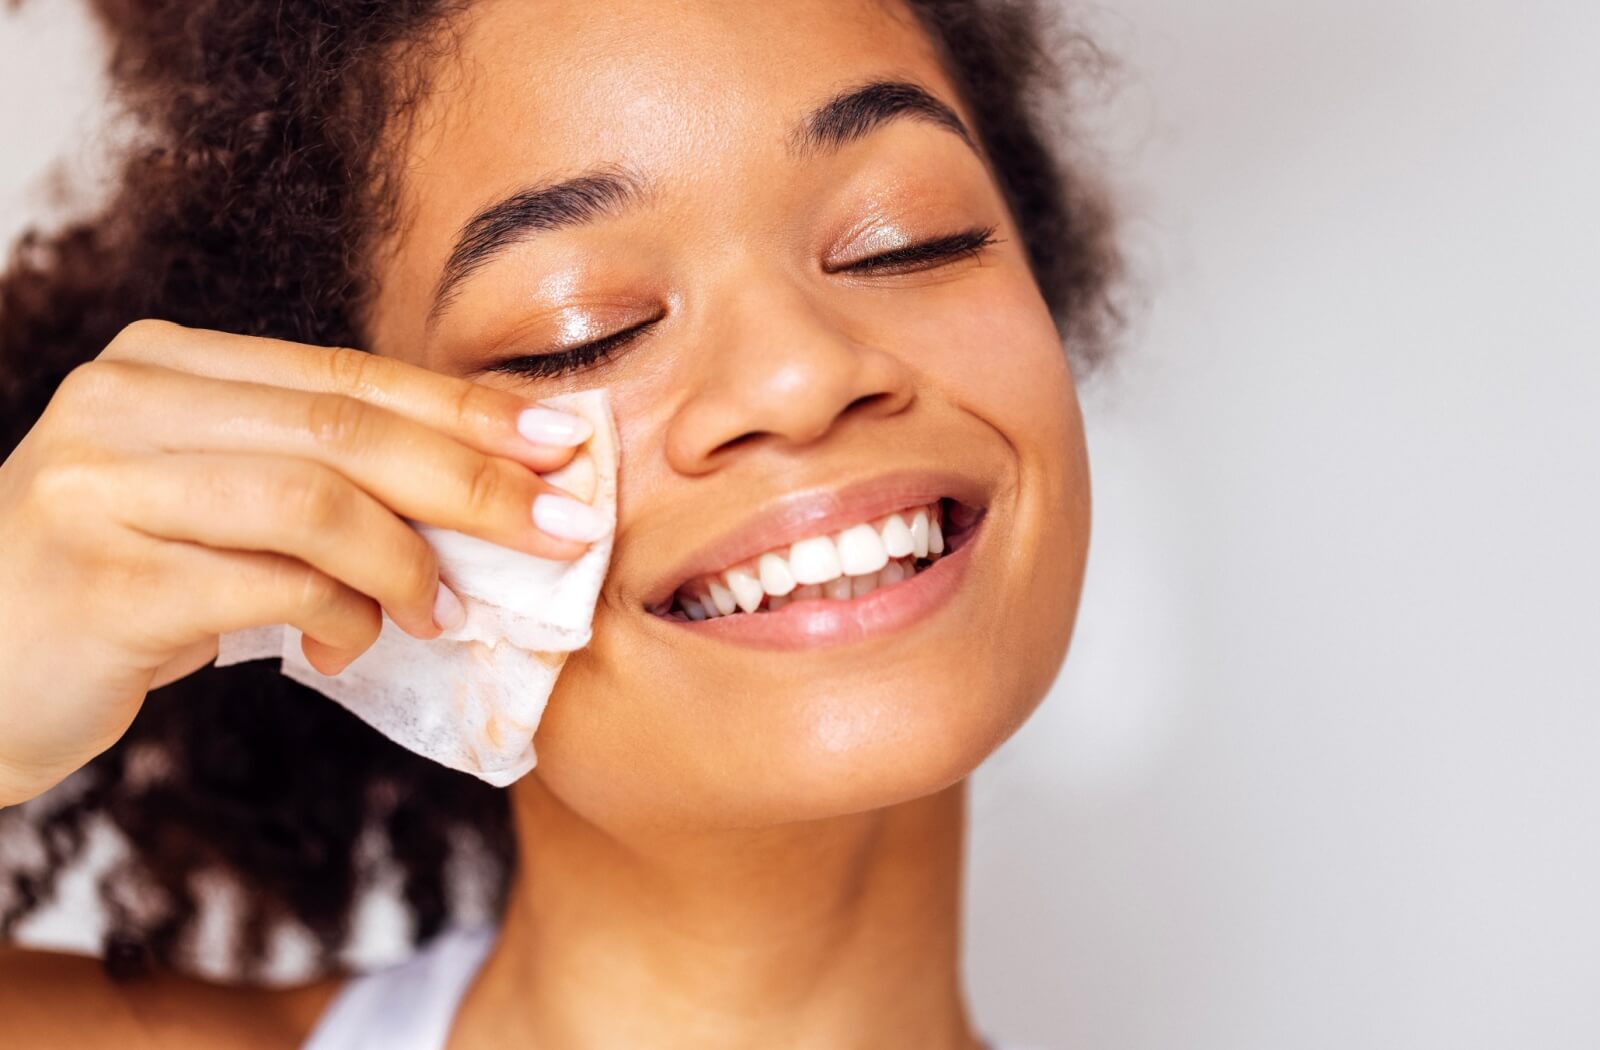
[[774, 388]]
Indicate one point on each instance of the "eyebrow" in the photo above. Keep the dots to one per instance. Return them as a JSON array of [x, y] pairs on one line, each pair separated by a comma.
[[607, 191]]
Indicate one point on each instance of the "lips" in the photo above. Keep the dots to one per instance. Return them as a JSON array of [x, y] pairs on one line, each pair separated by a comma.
[[849, 564], [838, 514], [813, 623]]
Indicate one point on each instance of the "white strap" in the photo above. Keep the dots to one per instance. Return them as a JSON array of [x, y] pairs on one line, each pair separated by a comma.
[[409, 1006]]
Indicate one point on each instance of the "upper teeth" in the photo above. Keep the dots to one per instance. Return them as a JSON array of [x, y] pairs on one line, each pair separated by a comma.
[[853, 561]]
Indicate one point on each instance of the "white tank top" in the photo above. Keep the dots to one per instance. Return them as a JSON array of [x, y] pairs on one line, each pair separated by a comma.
[[411, 1006]]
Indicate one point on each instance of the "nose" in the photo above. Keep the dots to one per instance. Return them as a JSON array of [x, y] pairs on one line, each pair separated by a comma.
[[776, 366]]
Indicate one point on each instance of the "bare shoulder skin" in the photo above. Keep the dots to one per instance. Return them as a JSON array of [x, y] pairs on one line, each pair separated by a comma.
[[50, 999]]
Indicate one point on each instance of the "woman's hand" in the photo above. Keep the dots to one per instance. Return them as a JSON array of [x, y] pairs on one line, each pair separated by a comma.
[[186, 483]]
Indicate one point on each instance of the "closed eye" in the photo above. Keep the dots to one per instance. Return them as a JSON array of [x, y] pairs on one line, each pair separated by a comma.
[[926, 254], [577, 358], [912, 258]]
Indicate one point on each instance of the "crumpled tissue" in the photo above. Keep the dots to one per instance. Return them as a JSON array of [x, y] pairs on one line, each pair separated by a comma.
[[472, 698]]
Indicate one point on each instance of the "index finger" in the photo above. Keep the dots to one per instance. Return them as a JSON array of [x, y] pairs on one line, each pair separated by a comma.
[[491, 420]]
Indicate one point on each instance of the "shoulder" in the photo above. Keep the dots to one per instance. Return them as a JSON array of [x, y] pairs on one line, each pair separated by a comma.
[[49, 999], [52, 999]]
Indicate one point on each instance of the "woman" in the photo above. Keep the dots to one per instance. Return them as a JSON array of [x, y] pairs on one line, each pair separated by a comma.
[[822, 259]]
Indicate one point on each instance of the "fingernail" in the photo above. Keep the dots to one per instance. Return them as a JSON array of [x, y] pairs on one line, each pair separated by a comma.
[[568, 518], [448, 612], [546, 426]]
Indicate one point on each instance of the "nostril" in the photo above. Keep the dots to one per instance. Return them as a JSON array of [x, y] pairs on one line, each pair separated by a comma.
[[803, 425], [742, 439], [866, 399]]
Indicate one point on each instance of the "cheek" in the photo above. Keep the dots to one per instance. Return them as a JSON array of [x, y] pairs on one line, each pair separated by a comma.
[[642, 731], [998, 356]]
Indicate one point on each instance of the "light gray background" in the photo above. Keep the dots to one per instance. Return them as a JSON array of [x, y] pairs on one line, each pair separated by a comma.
[[1321, 770]]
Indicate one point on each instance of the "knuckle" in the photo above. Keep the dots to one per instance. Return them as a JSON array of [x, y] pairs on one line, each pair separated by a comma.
[[65, 488], [487, 486], [94, 383], [472, 403], [416, 572], [351, 372], [306, 588], [335, 419], [83, 383], [137, 337], [216, 487], [309, 499]]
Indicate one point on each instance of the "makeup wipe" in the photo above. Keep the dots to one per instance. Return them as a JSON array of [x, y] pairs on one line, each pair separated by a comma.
[[472, 698]]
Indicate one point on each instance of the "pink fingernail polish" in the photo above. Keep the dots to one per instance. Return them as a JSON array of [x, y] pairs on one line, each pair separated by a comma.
[[448, 612], [546, 426], [568, 518]]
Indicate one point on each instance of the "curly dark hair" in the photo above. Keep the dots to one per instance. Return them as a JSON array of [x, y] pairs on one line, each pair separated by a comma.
[[249, 205]]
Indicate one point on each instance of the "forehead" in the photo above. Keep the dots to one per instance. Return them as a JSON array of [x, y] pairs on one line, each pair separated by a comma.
[[697, 94], [574, 80]]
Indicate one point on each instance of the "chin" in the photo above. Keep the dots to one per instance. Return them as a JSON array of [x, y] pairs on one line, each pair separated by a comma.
[[673, 722], [805, 752], [877, 755]]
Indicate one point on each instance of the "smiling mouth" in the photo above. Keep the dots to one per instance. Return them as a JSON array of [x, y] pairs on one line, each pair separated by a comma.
[[838, 566]]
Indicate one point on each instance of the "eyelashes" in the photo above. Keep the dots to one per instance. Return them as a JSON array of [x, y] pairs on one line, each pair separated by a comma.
[[913, 258], [966, 244], [565, 362]]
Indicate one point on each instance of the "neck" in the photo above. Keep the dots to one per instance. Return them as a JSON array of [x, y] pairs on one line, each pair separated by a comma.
[[840, 933]]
